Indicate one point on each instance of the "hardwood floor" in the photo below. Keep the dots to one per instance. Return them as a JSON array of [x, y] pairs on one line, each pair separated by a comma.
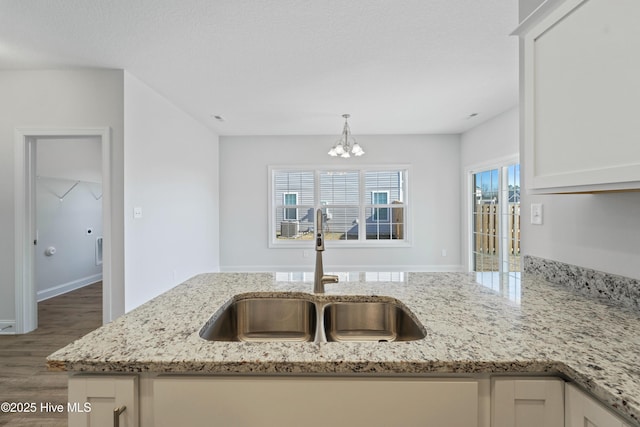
[[23, 373]]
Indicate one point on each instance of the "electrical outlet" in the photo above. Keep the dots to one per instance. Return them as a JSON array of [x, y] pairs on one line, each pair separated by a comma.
[[137, 212]]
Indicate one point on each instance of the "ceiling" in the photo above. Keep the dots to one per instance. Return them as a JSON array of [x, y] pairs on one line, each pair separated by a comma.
[[288, 67]]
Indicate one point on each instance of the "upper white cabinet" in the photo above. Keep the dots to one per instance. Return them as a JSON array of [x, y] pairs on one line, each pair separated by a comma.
[[580, 77]]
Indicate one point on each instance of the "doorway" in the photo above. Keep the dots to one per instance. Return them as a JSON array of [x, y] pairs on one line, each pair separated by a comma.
[[495, 228], [26, 237], [68, 214]]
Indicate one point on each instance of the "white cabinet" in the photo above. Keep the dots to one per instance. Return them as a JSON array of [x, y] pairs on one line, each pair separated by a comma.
[[583, 411], [309, 402], [93, 400], [580, 92], [527, 402], [193, 400]]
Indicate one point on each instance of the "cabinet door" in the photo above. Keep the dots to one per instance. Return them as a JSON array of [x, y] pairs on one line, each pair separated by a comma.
[[583, 411], [527, 403], [580, 98], [314, 402], [93, 399]]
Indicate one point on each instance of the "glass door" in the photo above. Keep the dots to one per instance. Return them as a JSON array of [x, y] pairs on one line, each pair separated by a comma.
[[496, 226]]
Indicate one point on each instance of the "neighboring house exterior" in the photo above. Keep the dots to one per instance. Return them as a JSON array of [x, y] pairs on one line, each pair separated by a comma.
[[341, 199]]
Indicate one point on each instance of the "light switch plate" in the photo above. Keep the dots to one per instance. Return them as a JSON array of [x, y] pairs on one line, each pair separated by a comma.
[[536, 213]]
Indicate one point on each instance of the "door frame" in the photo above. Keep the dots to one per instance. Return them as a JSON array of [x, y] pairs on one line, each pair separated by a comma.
[[467, 231], [26, 306]]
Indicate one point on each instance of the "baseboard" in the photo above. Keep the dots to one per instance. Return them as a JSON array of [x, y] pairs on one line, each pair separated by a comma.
[[454, 268], [7, 327], [67, 287]]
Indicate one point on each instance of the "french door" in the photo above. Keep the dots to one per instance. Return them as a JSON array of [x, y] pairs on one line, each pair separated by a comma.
[[495, 245]]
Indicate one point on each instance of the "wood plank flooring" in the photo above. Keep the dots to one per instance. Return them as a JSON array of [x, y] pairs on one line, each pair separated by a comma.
[[23, 372]]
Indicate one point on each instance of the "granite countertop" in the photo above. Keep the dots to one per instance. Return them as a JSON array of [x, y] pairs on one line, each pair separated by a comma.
[[523, 326]]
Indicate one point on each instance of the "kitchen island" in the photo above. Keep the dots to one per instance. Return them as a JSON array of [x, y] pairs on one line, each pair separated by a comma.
[[525, 326]]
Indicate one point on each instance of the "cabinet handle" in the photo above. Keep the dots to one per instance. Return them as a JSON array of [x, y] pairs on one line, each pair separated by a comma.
[[116, 415]]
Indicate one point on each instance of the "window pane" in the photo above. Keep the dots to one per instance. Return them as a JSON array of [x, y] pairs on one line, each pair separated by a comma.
[[389, 183], [291, 214], [340, 223], [294, 223], [380, 198], [290, 199], [486, 220], [487, 186], [339, 188], [299, 183], [380, 225]]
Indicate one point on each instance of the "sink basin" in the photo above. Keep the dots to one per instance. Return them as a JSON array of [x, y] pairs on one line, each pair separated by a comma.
[[308, 318], [264, 319], [369, 321]]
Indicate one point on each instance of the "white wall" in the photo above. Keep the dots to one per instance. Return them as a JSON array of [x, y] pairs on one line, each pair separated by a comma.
[[596, 231], [57, 99], [525, 7], [63, 221], [71, 158], [494, 139], [435, 201], [171, 171], [486, 146]]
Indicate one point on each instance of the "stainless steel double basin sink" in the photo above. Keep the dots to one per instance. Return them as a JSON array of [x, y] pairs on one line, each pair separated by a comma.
[[305, 318]]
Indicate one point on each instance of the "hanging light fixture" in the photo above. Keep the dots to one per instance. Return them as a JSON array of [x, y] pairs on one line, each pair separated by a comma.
[[346, 145]]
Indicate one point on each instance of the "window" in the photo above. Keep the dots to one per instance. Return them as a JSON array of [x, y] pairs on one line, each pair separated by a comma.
[[380, 198], [290, 199], [358, 206]]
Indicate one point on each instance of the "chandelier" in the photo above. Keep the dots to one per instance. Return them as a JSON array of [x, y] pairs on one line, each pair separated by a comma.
[[346, 145]]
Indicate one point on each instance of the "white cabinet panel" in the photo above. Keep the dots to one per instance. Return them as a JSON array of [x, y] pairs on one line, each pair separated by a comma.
[[103, 394], [581, 89], [310, 402], [583, 411], [527, 402]]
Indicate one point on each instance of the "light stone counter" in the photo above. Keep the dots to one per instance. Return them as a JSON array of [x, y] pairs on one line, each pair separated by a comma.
[[523, 327]]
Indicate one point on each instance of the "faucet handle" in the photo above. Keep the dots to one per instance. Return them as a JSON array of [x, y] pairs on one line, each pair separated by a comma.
[[330, 278]]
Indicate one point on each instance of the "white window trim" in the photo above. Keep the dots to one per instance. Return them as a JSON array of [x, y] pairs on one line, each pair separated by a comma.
[[273, 242]]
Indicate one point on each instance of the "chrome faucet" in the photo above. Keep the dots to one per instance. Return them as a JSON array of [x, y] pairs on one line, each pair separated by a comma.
[[320, 278]]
